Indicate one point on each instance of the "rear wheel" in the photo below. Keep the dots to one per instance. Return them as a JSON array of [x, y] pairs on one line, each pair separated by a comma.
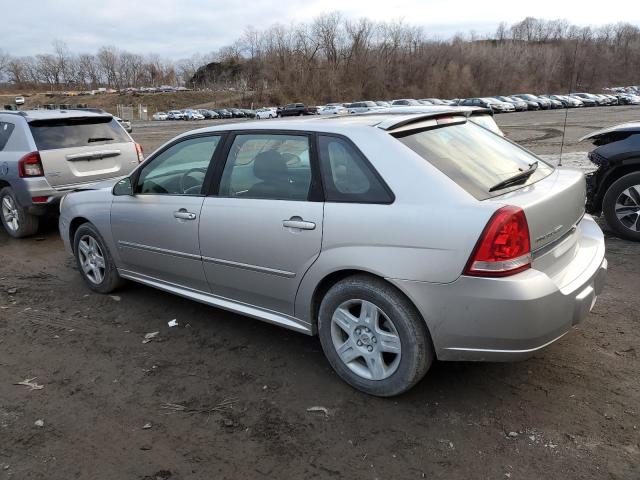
[[16, 220], [94, 260], [373, 336], [621, 206]]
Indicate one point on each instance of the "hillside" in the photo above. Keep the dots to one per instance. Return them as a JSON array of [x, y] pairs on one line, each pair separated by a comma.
[[154, 101]]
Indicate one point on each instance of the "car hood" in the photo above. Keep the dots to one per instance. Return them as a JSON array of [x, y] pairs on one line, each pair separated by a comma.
[[633, 127]]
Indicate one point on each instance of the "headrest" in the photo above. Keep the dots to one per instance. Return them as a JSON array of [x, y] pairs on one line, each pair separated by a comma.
[[270, 165]]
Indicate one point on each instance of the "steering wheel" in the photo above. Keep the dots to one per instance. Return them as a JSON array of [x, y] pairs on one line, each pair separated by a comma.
[[191, 185]]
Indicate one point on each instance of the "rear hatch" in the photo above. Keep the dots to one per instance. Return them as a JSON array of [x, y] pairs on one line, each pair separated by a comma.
[[83, 149], [482, 163], [554, 207]]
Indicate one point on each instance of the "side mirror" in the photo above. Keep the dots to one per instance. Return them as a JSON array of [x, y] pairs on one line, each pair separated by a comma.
[[123, 187]]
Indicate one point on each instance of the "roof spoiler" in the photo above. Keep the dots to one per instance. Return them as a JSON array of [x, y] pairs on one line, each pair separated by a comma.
[[403, 120]]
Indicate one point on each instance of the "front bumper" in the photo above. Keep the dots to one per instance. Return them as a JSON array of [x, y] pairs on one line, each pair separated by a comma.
[[507, 319]]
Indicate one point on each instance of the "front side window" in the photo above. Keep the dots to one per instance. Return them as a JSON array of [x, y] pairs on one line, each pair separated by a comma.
[[346, 175], [180, 169], [267, 166], [5, 132]]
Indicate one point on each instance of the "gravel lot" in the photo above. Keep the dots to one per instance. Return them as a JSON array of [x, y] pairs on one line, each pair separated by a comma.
[[224, 396]]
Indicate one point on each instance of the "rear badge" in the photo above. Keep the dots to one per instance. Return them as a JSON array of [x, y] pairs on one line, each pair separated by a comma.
[[549, 234]]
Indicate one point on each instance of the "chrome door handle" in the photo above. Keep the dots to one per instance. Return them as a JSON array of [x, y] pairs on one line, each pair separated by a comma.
[[299, 223], [182, 214]]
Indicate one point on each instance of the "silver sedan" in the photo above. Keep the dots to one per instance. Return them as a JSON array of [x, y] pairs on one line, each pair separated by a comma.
[[397, 238]]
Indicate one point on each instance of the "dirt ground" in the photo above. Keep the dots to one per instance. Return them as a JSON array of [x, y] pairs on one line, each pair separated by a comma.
[[222, 396]]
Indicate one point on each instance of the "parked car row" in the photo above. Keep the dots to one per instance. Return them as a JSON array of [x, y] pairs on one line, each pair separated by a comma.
[[203, 113], [497, 104]]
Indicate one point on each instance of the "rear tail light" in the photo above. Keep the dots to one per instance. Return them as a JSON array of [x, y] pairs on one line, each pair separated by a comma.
[[39, 199], [504, 248], [140, 153], [30, 165]]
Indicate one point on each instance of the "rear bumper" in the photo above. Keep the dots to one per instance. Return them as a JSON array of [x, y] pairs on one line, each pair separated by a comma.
[[28, 188], [507, 319]]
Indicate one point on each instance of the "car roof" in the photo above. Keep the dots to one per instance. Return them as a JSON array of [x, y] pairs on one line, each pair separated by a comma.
[[633, 127], [34, 115], [385, 119]]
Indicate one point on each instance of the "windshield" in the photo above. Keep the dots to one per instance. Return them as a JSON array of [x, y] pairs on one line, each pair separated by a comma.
[[77, 132], [474, 157]]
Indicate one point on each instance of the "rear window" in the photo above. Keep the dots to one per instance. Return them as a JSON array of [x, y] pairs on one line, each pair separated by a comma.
[[77, 132], [473, 157]]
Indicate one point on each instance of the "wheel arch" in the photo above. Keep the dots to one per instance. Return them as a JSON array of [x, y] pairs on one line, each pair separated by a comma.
[[73, 228], [323, 286]]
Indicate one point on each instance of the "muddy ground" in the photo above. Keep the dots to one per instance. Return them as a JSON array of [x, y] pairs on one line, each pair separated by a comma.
[[224, 396]]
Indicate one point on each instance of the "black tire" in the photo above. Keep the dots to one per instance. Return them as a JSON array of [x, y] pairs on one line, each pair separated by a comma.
[[27, 224], [609, 207], [417, 353], [110, 278]]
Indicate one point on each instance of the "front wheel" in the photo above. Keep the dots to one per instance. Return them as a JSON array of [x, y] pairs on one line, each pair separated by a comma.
[[621, 206], [94, 260], [16, 220], [373, 336]]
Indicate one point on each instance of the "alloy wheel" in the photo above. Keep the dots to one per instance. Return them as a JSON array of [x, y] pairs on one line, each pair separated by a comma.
[[91, 259], [627, 208], [10, 213], [365, 339]]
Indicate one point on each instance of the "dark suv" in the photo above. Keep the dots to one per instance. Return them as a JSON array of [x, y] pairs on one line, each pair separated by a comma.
[[613, 190]]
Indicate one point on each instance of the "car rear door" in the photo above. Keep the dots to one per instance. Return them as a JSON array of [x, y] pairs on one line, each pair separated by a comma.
[[262, 229], [83, 149], [156, 228]]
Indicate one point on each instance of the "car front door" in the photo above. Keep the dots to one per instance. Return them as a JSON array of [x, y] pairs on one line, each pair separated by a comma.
[[262, 229], [156, 228]]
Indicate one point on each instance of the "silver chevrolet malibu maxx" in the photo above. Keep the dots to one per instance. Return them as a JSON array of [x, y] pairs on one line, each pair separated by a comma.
[[399, 238]]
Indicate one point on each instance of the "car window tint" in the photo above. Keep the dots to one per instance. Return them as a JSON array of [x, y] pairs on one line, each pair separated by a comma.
[[179, 170], [5, 132], [267, 166], [473, 157], [77, 132], [346, 175]]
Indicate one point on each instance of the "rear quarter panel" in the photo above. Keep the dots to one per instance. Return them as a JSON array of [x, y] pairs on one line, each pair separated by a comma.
[[426, 234]]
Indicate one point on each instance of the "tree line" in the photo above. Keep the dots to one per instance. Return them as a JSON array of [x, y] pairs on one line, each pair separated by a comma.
[[335, 58]]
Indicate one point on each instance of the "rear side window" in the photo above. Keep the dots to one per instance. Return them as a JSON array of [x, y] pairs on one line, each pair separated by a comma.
[[5, 132], [473, 157], [77, 132], [347, 176]]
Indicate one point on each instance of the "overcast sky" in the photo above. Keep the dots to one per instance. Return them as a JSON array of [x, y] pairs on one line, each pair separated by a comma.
[[180, 28]]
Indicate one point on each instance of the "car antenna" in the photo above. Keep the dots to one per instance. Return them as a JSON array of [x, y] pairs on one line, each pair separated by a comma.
[[566, 111]]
